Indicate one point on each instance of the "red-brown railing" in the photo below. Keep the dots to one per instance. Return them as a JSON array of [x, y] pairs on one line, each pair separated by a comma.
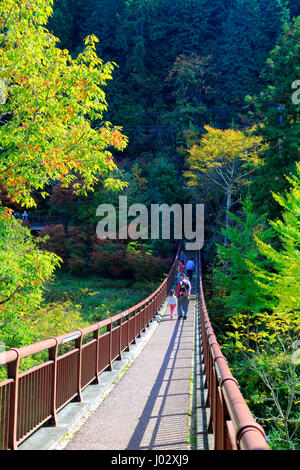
[[233, 425], [30, 399]]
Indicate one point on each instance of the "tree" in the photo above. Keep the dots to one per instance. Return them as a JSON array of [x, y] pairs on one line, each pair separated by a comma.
[[225, 158], [266, 345], [51, 131], [163, 184], [249, 33], [145, 37], [51, 118], [279, 115], [240, 294], [191, 78], [283, 281], [24, 268]]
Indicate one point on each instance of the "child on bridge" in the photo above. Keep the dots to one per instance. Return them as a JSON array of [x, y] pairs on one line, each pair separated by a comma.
[[172, 302]]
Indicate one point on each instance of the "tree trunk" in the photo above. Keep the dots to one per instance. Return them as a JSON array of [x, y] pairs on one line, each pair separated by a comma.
[[228, 206]]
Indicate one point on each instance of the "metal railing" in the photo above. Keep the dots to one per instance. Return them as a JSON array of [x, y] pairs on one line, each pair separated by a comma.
[[32, 398], [234, 426]]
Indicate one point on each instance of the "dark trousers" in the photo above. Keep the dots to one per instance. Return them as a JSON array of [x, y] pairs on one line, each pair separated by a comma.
[[190, 273], [183, 305]]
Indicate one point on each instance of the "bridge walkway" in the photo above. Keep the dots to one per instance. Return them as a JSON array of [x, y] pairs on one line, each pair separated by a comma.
[[153, 406]]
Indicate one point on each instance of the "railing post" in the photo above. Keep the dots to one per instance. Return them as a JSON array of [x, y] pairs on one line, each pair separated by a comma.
[[208, 378], [13, 373], [229, 437], [134, 327], [220, 444], [145, 313], [78, 344], [52, 353], [128, 332], [96, 337], [152, 310], [109, 328], [156, 306], [120, 323], [140, 321], [213, 402]]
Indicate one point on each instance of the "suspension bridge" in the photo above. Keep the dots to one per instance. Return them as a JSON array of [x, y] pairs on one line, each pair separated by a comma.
[[136, 381]]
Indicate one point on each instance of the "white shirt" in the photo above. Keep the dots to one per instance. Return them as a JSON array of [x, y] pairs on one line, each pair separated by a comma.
[[172, 300]]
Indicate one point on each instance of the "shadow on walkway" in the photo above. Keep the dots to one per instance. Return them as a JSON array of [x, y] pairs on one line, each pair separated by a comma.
[[170, 372]]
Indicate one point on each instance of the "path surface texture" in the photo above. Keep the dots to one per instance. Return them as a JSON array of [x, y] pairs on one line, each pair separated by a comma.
[[149, 409]]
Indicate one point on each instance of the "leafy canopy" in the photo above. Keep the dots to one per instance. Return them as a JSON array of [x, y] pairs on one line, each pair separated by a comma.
[[24, 268], [51, 108], [219, 148], [239, 291], [279, 113], [283, 282]]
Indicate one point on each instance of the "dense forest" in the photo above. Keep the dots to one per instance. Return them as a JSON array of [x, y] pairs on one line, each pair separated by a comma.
[[162, 101]]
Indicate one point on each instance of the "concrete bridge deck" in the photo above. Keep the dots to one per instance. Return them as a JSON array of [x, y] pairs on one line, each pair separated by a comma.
[[153, 401], [150, 407], [154, 406]]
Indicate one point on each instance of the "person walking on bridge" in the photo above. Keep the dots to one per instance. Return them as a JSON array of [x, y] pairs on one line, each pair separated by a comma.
[[183, 295], [181, 258], [180, 270], [172, 301], [190, 266]]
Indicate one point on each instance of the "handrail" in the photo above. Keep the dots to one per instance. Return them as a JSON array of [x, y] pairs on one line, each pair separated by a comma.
[[233, 424], [30, 399]]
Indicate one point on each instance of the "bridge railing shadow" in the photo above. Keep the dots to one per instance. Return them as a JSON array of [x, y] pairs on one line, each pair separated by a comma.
[[164, 377], [163, 406]]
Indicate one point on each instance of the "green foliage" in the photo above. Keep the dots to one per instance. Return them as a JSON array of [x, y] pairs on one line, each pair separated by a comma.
[[118, 260], [162, 184], [154, 183], [249, 31], [50, 105], [83, 253], [283, 282], [237, 286], [93, 298], [269, 380], [179, 62], [51, 129], [56, 318], [262, 293], [24, 269], [279, 115], [219, 165]]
